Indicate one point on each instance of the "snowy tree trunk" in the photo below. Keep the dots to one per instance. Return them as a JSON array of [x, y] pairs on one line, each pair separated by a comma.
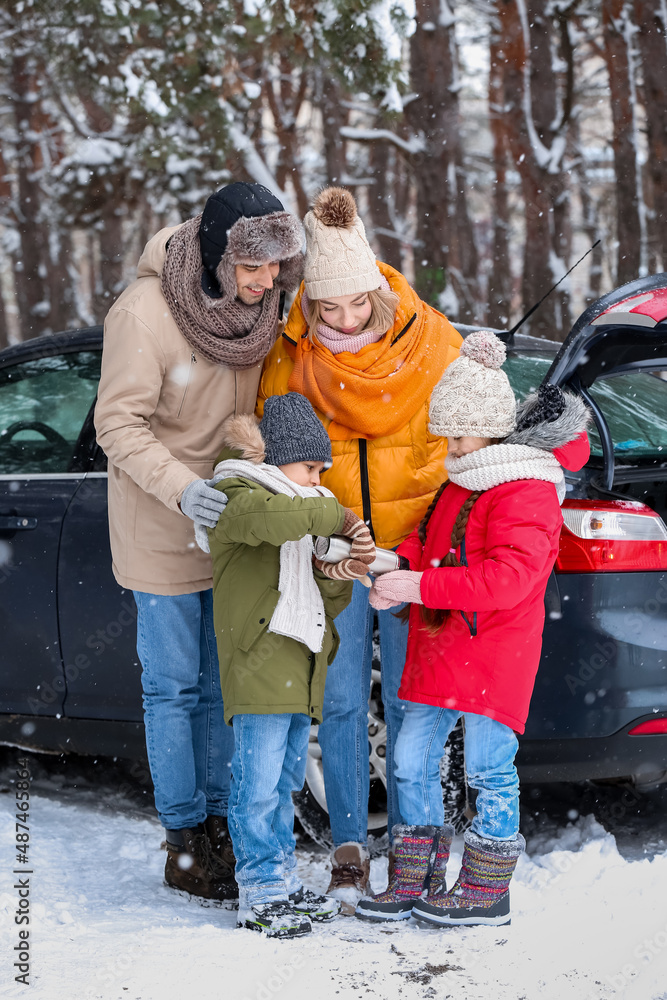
[[382, 163], [109, 282], [328, 98], [499, 292], [285, 98], [590, 220], [31, 265], [617, 40], [5, 214], [444, 231], [538, 119], [650, 18]]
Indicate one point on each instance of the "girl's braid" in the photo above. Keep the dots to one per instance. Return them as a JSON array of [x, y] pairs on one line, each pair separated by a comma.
[[404, 614], [423, 524], [434, 619], [459, 530]]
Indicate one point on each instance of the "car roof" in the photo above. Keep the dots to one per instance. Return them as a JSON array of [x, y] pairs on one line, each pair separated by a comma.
[[519, 341], [52, 343]]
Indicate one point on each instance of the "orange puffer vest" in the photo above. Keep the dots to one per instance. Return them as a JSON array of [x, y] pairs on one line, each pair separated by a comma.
[[388, 481]]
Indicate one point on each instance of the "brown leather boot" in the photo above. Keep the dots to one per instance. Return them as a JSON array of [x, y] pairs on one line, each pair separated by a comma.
[[221, 844], [349, 876], [192, 867]]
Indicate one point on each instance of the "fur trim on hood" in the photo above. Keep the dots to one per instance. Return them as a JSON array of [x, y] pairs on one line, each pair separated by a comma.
[[242, 434], [548, 435]]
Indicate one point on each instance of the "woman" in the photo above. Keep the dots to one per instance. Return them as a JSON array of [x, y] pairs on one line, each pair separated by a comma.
[[367, 353]]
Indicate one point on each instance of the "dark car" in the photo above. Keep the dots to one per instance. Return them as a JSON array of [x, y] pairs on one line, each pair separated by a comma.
[[69, 669]]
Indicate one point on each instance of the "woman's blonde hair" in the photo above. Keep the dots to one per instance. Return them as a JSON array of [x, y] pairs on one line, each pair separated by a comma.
[[382, 318]]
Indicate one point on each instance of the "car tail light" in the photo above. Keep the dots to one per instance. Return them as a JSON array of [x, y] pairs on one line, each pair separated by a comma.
[[649, 728], [611, 536]]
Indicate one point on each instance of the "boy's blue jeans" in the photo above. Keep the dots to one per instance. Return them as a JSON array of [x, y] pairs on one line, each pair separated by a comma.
[[490, 748], [269, 764], [343, 733], [189, 746]]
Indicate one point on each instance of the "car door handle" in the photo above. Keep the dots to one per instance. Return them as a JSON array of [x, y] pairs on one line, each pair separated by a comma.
[[14, 522]]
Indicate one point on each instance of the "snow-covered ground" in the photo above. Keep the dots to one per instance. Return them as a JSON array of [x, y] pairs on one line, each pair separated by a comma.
[[589, 921]]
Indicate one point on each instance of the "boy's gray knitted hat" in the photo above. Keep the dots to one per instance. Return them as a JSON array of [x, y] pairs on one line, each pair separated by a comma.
[[292, 431]]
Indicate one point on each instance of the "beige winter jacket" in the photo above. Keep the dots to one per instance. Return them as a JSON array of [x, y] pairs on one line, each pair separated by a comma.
[[159, 413]]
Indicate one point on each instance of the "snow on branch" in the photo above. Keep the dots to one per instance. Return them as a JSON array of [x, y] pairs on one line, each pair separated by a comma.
[[413, 145], [547, 159], [257, 168]]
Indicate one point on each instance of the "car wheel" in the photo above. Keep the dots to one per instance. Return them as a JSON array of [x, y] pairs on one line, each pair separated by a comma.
[[310, 804]]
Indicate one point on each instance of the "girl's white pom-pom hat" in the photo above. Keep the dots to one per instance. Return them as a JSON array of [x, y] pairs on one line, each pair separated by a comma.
[[474, 398]]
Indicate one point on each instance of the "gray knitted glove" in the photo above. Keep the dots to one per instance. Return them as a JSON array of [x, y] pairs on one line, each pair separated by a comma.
[[202, 503]]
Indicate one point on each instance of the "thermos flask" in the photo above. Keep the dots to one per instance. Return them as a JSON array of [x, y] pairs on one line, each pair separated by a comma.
[[335, 548]]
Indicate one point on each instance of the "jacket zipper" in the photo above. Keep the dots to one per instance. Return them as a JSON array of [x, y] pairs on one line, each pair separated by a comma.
[[193, 361], [464, 562], [365, 486]]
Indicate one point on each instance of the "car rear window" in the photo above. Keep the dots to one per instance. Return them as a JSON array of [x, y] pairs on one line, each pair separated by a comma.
[[634, 406]]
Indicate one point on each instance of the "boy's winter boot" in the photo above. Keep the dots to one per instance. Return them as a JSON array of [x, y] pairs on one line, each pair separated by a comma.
[[313, 905], [481, 892], [223, 860], [192, 867], [279, 920], [419, 854], [351, 868]]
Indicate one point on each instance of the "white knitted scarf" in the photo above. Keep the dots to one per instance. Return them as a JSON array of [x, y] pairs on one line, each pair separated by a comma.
[[299, 613], [505, 463]]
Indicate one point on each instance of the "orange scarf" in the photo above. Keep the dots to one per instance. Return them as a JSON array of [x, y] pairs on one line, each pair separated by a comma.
[[376, 391]]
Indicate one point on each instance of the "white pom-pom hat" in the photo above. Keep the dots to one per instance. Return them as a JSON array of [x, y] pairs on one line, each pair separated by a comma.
[[474, 398]]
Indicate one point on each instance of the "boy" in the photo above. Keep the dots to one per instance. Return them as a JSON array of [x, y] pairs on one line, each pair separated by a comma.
[[273, 616]]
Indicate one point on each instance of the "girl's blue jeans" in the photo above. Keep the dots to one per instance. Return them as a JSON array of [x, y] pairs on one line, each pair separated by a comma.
[[343, 733], [269, 764], [490, 748], [189, 746]]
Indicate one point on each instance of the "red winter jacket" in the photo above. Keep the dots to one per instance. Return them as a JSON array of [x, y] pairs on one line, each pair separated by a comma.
[[485, 659]]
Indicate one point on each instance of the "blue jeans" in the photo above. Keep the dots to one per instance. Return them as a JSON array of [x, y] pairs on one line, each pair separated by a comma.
[[269, 764], [490, 748], [343, 733], [189, 746]]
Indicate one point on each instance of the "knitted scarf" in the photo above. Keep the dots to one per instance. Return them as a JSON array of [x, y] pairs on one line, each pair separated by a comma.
[[299, 613], [378, 390], [225, 331], [505, 463]]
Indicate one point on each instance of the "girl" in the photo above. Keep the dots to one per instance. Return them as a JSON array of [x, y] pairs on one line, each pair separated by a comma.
[[479, 564]]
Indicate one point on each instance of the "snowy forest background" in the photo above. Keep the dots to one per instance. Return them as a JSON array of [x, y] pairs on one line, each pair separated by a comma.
[[489, 143]]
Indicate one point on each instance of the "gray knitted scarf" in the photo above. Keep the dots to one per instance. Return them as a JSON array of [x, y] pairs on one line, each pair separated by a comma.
[[225, 331]]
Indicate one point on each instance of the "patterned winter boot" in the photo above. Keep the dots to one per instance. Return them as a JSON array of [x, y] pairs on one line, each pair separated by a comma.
[[420, 854], [481, 892]]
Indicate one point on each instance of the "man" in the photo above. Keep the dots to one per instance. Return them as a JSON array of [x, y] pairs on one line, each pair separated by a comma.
[[183, 349]]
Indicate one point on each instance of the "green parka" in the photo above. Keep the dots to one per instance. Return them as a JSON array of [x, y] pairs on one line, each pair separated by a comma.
[[262, 672]]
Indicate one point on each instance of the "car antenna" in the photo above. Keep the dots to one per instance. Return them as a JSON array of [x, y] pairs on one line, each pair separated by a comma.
[[537, 305]]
